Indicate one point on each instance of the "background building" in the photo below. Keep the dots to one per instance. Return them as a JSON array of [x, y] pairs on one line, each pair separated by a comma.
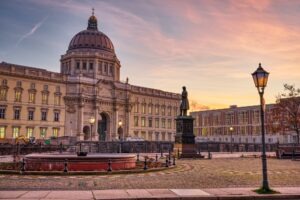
[[43, 104], [214, 125]]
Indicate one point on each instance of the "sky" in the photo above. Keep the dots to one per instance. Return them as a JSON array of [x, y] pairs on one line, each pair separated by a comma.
[[209, 46]]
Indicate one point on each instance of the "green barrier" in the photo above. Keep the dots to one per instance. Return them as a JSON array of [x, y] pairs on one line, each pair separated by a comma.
[[48, 142]]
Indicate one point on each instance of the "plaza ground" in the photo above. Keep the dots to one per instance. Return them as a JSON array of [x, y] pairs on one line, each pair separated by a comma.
[[220, 172]]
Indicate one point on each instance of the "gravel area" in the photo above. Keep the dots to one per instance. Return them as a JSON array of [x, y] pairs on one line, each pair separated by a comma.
[[215, 173]]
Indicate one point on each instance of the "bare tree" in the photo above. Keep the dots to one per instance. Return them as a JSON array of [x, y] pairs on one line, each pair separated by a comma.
[[288, 108]]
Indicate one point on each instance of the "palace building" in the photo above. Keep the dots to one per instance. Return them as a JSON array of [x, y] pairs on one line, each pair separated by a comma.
[[42, 104], [240, 125]]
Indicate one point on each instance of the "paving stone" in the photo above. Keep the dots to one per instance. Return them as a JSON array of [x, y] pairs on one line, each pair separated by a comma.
[[110, 194], [35, 195], [139, 193], [70, 195], [11, 194], [161, 193], [190, 192]]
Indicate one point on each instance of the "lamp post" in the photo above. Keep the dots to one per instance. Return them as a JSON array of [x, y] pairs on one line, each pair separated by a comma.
[[260, 78], [231, 130], [92, 121], [120, 133]]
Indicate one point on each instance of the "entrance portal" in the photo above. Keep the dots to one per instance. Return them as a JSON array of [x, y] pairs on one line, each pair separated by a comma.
[[103, 127]]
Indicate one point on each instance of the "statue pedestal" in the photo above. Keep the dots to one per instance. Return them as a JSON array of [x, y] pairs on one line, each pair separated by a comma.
[[185, 138]]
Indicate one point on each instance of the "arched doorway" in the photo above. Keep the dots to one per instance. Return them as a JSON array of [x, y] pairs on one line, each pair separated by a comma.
[[86, 132], [103, 126]]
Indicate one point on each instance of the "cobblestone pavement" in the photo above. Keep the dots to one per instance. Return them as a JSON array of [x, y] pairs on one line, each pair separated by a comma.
[[215, 173]]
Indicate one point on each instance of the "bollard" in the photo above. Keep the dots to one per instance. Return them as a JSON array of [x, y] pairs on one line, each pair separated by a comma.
[[174, 160], [293, 155], [145, 164], [22, 166], [209, 155], [60, 147], [167, 162], [109, 169], [178, 153], [169, 158], [66, 166], [138, 157], [156, 158]]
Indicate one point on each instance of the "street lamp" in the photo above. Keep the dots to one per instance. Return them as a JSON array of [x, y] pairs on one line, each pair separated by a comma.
[[231, 130], [260, 78], [92, 121], [120, 133]]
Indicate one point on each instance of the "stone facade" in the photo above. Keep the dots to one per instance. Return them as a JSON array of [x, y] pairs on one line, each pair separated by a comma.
[[214, 125], [88, 85]]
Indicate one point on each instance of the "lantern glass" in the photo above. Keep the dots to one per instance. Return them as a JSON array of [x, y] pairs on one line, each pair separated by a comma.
[[260, 77], [92, 120]]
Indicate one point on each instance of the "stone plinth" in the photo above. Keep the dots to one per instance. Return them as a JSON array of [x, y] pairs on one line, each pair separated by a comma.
[[185, 138]]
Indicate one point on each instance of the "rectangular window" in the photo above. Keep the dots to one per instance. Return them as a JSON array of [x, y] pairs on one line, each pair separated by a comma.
[[143, 133], [143, 121], [105, 68], [150, 122], [136, 107], [55, 132], [2, 113], [31, 97], [156, 123], [57, 100], [30, 115], [150, 109], [57, 89], [2, 132], [19, 83], [18, 96], [136, 121], [43, 132], [29, 132], [84, 66], [100, 67], [32, 86], [157, 109], [16, 132], [169, 111], [56, 116], [3, 94], [17, 114], [78, 65], [163, 110], [163, 123], [144, 108], [44, 98], [163, 136], [169, 124], [150, 135], [91, 66], [45, 87], [44, 116]]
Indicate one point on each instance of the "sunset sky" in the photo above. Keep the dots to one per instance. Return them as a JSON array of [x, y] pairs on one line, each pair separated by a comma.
[[211, 47]]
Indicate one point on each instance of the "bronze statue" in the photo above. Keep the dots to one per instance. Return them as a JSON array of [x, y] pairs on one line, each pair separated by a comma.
[[184, 106]]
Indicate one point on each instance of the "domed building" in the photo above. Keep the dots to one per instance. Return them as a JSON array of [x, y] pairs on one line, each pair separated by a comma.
[[86, 100]]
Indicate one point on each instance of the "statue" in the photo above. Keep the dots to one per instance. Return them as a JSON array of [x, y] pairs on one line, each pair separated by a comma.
[[184, 106]]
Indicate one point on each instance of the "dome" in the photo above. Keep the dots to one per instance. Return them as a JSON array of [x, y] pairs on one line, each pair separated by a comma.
[[91, 38]]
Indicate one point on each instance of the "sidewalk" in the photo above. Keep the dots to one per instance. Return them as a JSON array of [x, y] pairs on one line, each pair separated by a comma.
[[219, 193]]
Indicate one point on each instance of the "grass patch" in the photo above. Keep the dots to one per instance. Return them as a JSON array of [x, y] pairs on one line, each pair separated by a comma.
[[265, 191]]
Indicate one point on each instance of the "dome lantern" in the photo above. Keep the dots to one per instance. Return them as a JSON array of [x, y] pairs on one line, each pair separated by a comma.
[[92, 23]]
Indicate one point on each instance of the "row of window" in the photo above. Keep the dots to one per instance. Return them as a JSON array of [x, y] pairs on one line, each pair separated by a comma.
[[164, 123], [29, 132], [30, 114], [31, 96], [154, 136], [32, 85], [157, 109], [243, 130], [103, 67]]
